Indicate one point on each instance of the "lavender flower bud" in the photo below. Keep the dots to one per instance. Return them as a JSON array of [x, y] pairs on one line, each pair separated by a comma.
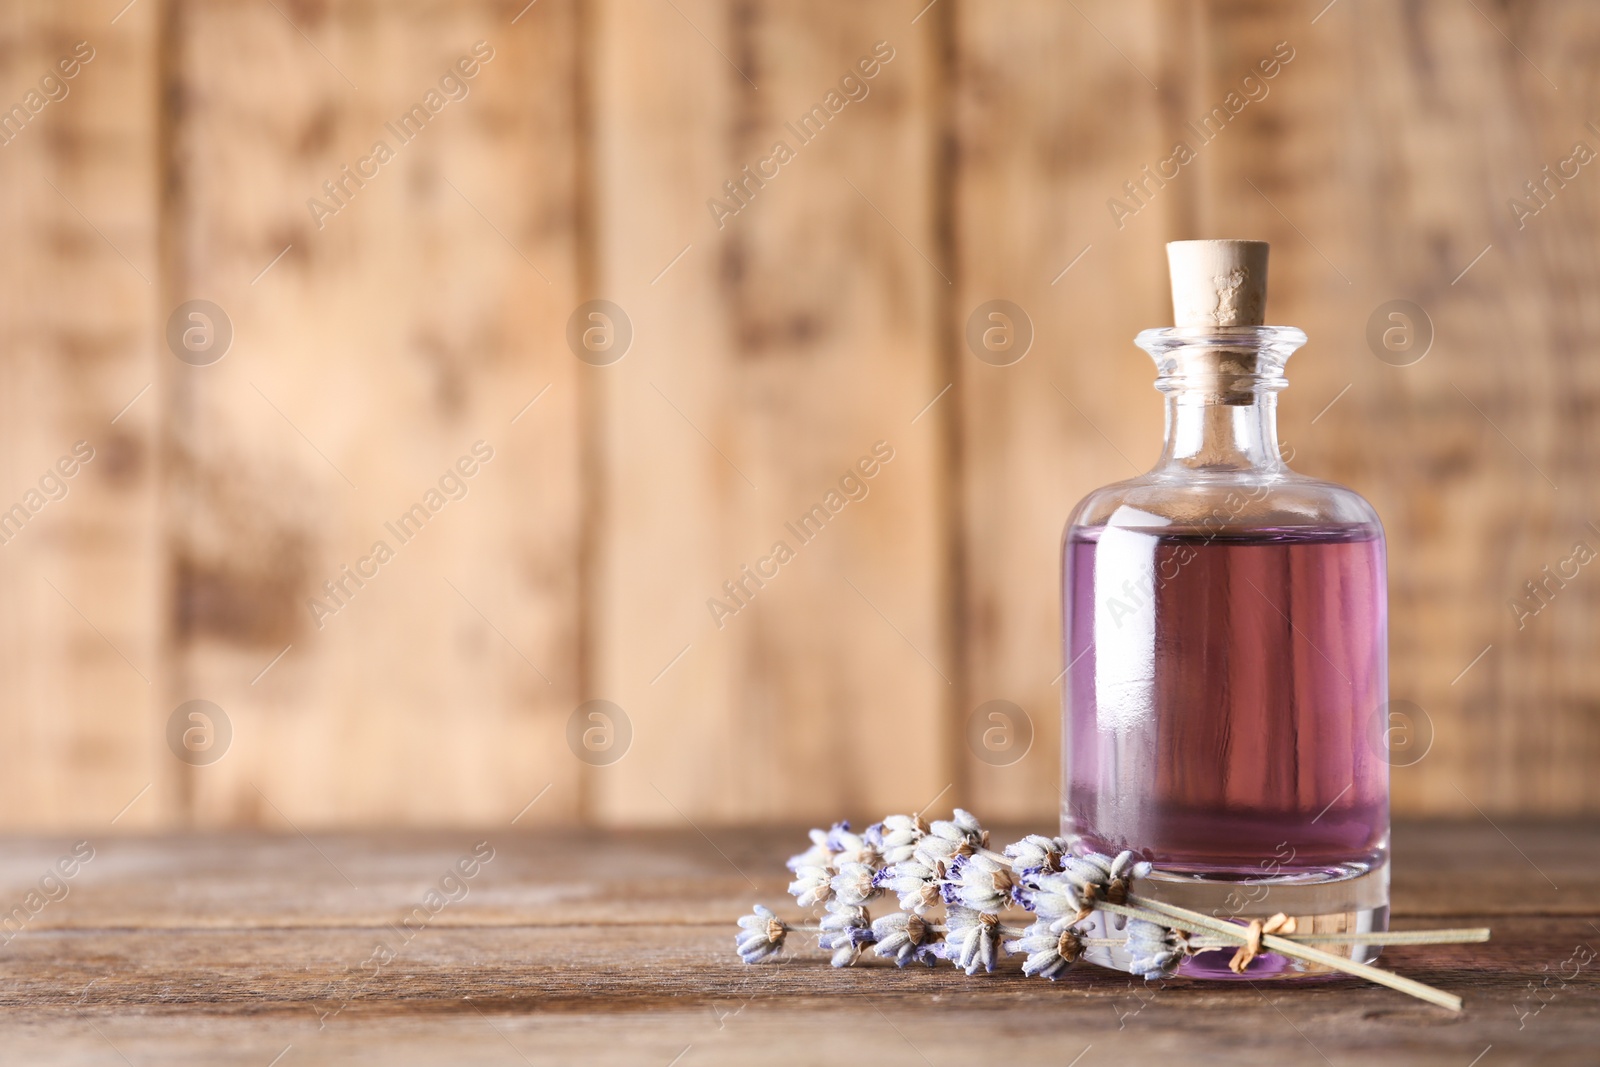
[[983, 884], [762, 935], [903, 938], [1051, 949], [1081, 881], [943, 842], [818, 855], [846, 930], [812, 886], [1153, 951], [971, 939], [1036, 852], [840, 839], [898, 836], [916, 886], [854, 884], [1052, 896], [964, 827]]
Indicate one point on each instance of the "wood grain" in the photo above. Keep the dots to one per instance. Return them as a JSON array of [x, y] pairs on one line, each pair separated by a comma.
[[180, 947], [770, 353], [790, 340], [80, 319], [396, 337]]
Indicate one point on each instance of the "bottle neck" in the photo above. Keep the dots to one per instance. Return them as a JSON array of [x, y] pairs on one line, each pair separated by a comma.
[[1205, 433], [1222, 389]]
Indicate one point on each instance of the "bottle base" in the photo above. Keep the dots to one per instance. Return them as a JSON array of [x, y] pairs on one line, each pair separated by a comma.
[[1347, 899]]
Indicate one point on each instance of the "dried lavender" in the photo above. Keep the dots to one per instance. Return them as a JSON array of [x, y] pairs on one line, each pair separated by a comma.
[[812, 885], [945, 870], [971, 939], [982, 882], [945, 840], [818, 855], [1036, 853], [1154, 951], [940, 870], [905, 938], [916, 886], [854, 883], [763, 934], [1050, 950], [897, 836], [845, 931]]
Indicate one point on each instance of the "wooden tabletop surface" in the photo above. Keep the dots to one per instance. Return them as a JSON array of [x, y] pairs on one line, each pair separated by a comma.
[[554, 946]]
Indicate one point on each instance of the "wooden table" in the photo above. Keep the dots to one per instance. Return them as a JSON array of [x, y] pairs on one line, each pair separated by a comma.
[[617, 948]]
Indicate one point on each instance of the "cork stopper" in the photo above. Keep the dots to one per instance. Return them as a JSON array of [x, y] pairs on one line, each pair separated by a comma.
[[1218, 283]]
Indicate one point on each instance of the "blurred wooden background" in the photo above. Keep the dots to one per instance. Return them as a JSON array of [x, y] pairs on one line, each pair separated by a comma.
[[767, 357]]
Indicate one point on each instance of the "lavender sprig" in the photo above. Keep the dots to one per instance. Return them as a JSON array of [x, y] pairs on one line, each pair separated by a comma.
[[941, 869], [947, 867]]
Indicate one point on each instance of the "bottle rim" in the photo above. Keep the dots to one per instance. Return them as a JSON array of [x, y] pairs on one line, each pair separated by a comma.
[[1283, 339], [1226, 364]]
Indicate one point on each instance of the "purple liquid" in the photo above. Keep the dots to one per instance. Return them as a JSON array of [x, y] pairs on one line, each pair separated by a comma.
[[1223, 696]]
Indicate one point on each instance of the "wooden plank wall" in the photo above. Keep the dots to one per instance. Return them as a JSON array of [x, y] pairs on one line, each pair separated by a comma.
[[774, 343], [791, 340], [439, 689], [83, 581]]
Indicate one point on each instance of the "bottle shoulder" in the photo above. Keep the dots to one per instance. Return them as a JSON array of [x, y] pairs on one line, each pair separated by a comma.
[[1215, 501]]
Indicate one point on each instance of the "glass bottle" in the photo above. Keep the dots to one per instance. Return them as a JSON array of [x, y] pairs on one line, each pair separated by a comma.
[[1224, 630]]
